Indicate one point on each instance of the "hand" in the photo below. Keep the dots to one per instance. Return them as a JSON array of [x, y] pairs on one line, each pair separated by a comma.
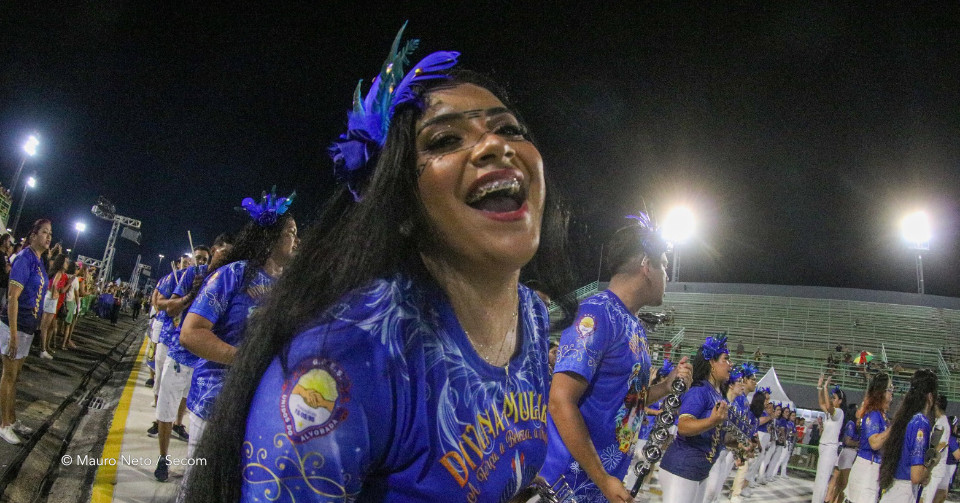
[[826, 385], [820, 382], [684, 371], [12, 350], [719, 414], [614, 490]]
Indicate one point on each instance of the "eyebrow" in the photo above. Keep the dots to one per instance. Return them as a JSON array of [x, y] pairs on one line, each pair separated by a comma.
[[469, 114]]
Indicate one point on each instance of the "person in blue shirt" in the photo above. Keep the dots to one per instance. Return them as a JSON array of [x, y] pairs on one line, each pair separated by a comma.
[[906, 463], [953, 457], [687, 462], [726, 459], [863, 485], [601, 379], [25, 291], [215, 323], [398, 357]]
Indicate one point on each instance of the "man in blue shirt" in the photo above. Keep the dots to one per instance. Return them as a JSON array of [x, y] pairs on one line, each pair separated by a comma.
[[601, 379]]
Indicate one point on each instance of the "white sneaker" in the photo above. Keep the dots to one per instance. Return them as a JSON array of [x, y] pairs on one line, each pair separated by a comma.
[[45, 355], [22, 429], [7, 433], [736, 499], [746, 492]]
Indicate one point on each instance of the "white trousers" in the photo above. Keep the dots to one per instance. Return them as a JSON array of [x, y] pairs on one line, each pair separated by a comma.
[[825, 464], [760, 461], [718, 475], [741, 475], [864, 482], [774, 463], [197, 427], [159, 358], [677, 489], [785, 459], [902, 491]]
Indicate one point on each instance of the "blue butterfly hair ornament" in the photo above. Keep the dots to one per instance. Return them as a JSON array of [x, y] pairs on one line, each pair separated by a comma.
[[269, 209], [665, 369], [651, 238], [714, 346], [836, 390], [355, 151]]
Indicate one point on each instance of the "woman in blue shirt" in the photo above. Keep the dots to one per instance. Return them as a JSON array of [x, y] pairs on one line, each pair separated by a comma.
[[398, 358], [27, 286], [863, 485], [904, 466], [687, 462]]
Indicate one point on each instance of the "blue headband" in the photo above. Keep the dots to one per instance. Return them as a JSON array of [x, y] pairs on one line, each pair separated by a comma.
[[269, 209], [836, 390], [736, 374], [749, 369], [714, 346], [764, 390], [368, 122], [651, 238]]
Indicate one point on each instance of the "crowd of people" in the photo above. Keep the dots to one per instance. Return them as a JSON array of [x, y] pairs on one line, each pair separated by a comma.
[[402, 351]]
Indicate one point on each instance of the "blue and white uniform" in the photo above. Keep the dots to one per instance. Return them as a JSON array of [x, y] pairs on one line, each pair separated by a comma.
[[29, 273], [607, 347], [916, 441], [864, 483], [179, 363], [226, 301], [385, 399], [848, 454], [686, 464], [161, 324]]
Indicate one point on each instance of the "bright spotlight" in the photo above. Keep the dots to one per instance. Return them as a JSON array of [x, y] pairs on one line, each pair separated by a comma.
[[916, 229], [80, 227], [31, 146], [679, 225], [31, 182]]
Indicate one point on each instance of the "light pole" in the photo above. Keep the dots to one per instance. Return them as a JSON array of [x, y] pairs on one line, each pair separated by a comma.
[[29, 150], [678, 228], [159, 262], [916, 231], [31, 183], [80, 227]]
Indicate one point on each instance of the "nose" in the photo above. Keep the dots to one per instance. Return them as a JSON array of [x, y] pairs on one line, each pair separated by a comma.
[[491, 148]]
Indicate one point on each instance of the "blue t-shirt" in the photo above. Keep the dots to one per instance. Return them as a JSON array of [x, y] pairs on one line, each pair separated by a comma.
[[871, 424], [28, 272], [692, 457], [952, 446], [170, 333], [791, 428], [390, 402], [849, 432], [762, 428], [606, 346], [165, 287], [227, 303], [915, 443]]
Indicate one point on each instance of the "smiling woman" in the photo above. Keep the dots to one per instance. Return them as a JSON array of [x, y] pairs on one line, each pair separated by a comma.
[[399, 357]]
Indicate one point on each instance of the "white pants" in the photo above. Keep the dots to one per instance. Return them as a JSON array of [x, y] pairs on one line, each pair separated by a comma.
[[677, 489], [902, 491], [785, 458], [718, 475], [197, 427], [774, 463], [155, 328], [760, 461], [930, 490], [159, 358], [864, 482], [826, 462], [741, 475], [847, 455], [173, 389], [945, 481]]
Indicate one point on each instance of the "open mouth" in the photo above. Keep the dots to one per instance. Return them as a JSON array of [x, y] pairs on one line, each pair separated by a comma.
[[497, 195]]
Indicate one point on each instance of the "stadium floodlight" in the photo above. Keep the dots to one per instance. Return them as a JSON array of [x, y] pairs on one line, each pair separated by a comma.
[[79, 227], [916, 231], [30, 147], [678, 227], [31, 184]]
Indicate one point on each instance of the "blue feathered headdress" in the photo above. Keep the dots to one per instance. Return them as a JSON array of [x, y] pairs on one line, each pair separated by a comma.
[[665, 369], [714, 346], [764, 390], [749, 369], [268, 210], [368, 122], [651, 238], [736, 374]]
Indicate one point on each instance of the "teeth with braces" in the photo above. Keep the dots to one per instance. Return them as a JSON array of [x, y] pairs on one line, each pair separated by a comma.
[[512, 186]]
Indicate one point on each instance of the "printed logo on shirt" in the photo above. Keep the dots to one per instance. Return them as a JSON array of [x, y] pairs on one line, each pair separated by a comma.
[[312, 402], [630, 416], [586, 326], [638, 344]]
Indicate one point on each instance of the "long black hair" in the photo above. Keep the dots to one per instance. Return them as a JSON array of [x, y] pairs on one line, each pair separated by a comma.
[[701, 372], [922, 386], [352, 244], [843, 400], [758, 404]]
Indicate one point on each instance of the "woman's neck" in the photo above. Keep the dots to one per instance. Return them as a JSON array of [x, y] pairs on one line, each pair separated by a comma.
[[37, 250], [484, 301], [272, 268]]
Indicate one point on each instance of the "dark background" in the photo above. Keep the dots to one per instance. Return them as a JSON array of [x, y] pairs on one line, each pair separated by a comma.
[[800, 135]]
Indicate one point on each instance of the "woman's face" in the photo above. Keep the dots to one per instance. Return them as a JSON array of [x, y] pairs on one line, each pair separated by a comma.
[[41, 240], [480, 179], [836, 400], [720, 368], [286, 247], [888, 396]]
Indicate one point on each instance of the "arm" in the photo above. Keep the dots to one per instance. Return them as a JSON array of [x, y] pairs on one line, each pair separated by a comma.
[[877, 440], [689, 426], [176, 304], [197, 336]]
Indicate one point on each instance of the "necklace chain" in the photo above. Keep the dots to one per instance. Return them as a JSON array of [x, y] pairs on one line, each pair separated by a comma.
[[503, 343]]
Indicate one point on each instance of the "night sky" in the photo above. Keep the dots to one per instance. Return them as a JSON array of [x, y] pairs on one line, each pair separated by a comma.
[[799, 135]]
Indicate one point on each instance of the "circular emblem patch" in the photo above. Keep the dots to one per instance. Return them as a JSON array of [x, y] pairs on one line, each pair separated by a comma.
[[313, 399]]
